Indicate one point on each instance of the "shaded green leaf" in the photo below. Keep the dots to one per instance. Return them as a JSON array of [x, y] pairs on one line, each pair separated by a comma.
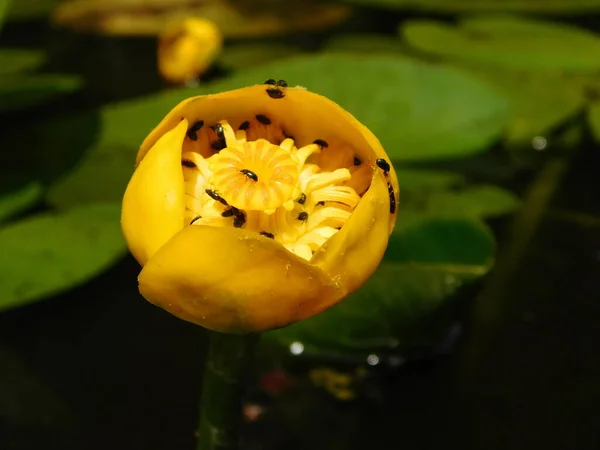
[[426, 179], [13, 61], [593, 119], [477, 201], [508, 42], [18, 200], [471, 6], [402, 307], [364, 43], [19, 93], [48, 253], [242, 56], [419, 112], [31, 9], [540, 100], [4, 5]]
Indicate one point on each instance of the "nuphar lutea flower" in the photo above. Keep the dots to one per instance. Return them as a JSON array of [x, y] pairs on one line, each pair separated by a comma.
[[255, 208]]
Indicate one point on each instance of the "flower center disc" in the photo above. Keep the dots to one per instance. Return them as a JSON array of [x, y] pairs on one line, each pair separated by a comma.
[[255, 176]]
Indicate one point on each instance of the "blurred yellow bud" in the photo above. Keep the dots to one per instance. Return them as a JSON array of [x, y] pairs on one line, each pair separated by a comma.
[[186, 48]]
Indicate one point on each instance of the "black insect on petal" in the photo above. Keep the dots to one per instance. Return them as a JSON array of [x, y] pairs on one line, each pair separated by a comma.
[[321, 143], [240, 220], [244, 126], [216, 197], [392, 198], [233, 211], [219, 144], [301, 199], [192, 133], [195, 218], [282, 83], [267, 234], [275, 93], [250, 174], [263, 119], [357, 161], [219, 131], [187, 163], [383, 165], [303, 216], [270, 81]]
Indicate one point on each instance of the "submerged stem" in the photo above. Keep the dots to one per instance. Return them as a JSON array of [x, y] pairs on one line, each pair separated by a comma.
[[228, 363]]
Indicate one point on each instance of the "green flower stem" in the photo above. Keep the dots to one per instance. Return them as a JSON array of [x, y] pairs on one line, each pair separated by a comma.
[[228, 363]]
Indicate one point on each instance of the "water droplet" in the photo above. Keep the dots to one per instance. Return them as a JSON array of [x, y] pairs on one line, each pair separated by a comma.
[[539, 143], [296, 348]]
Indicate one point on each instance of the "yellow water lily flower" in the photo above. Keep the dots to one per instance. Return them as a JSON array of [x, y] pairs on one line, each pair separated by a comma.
[[187, 48], [255, 208]]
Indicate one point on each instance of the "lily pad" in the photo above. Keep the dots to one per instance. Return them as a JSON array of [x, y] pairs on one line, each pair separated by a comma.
[[540, 100], [427, 179], [508, 42], [4, 5], [13, 61], [401, 307], [593, 119], [477, 201], [242, 56], [529, 6], [49, 253], [364, 43], [16, 201], [18, 93]]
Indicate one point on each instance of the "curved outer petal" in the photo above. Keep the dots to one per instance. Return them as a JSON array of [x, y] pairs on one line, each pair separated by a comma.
[[231, 280], [153, 205], [354, 253]]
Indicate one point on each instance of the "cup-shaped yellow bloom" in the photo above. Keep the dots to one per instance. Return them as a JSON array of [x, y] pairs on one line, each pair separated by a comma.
[[187, 48], [255, 208]]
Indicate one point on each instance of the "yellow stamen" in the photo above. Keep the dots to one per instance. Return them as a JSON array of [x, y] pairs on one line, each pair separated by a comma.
[[263, 183]]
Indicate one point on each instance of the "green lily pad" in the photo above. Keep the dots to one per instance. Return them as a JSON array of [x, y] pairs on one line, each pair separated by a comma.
[[419, 112], [593, 119], [13, 61], [508, 42], [400, 308], [19, 93], [31, 9], [242, 56], [426, 179], [18, 200], [364, 43], [4, 5], [471, 6], [477, 201], [540, 100], [49, 253]]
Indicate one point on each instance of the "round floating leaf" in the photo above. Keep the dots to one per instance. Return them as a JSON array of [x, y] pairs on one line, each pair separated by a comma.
[[471, 6], [19, 93], [426, 179], [418, 111], [593, 119], [364, 43], [478, 201], [17, 200], [14, 61], [402, 306], [540, 100], [48, 253], [242, 56], [508, 42]]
